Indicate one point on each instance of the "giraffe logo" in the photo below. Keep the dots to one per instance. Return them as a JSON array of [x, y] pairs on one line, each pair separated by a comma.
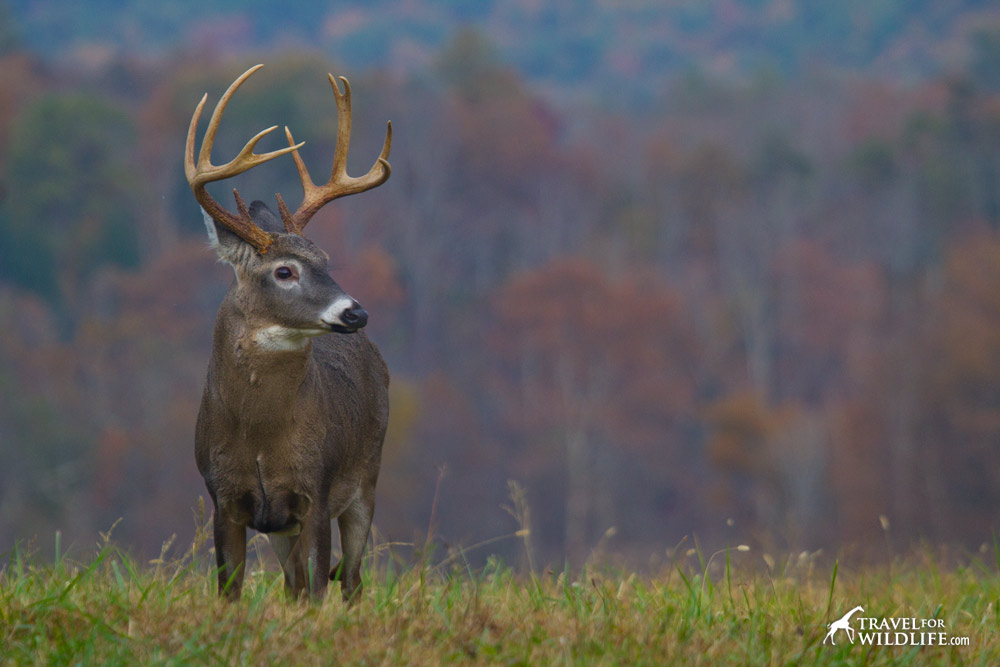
[[844, 623]]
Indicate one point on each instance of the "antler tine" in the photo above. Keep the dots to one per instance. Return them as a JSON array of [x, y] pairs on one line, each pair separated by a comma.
[[203, 172], [344, 124], [308, 188], [340, 184], [376, 178], [190, 169]]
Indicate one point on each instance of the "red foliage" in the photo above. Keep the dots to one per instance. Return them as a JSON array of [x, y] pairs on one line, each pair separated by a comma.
[[581, 341]]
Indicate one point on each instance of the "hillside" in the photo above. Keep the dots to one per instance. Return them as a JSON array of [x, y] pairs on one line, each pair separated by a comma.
[[566, 44], [748, 294]]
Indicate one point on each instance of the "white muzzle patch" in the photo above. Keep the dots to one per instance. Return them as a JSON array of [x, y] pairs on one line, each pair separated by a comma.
[[333, 313]]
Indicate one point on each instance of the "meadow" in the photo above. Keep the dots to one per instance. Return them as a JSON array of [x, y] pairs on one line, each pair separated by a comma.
[[732, 606]]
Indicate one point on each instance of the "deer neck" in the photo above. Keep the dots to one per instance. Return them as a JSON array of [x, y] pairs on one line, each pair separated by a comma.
[[265, 369]]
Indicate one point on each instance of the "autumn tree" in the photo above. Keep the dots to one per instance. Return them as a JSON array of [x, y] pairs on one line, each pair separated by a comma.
[[71, 189], [43, 453], [597, 371], [959, 410]]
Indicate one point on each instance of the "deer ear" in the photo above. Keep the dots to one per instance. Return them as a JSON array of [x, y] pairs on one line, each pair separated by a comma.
[[265, 218], [227, 246]]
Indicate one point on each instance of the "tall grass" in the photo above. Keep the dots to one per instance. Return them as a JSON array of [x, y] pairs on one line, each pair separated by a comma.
[[729, 607]]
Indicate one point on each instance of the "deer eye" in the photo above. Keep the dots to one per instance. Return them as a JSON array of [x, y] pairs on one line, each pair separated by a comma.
[[285, 273]]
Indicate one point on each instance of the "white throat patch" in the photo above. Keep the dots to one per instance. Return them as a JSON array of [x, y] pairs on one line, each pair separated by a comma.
[[277, 338]]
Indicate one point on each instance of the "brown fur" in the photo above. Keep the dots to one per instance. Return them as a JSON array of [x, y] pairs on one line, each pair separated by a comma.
[[289, 439]]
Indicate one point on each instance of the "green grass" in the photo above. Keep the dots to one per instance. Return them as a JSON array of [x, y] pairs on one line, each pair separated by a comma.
[[730, 607]]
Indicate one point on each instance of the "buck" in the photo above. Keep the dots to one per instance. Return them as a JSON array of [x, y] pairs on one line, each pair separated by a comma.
[[289, 434]]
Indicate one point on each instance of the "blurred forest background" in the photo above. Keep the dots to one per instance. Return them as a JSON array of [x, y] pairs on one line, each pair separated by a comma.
[[724, 268]]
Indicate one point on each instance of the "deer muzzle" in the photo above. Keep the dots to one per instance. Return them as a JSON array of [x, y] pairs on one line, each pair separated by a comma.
[[345, 316]]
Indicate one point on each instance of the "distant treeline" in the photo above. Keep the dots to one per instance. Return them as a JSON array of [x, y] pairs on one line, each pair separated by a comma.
[[760, 311]]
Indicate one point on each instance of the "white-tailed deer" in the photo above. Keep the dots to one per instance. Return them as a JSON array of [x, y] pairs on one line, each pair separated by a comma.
[[289, 435]]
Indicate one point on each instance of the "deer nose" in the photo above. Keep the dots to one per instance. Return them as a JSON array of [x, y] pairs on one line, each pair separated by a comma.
[[354, 317], [345, 315]]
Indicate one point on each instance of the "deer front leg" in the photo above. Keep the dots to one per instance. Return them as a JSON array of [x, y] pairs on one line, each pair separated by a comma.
[[230, 554], [355, 524], [292, 555], [316, 552]]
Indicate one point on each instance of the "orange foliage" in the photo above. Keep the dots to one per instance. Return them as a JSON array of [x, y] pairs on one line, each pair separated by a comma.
[[831, 299], [959, 397], [371, 277], [579, 340], [740, 426]]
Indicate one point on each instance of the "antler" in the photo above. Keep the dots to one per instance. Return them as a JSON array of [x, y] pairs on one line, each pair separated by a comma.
[[340, 184], [203, 172]]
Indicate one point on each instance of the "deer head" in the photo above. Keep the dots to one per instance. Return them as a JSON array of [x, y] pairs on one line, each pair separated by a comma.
[[283, 279]]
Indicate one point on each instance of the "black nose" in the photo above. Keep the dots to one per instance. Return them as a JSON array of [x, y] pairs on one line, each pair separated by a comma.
[[355, 317]]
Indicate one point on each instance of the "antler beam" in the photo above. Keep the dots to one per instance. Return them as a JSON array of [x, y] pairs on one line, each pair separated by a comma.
[[202, 172], [340, 184]]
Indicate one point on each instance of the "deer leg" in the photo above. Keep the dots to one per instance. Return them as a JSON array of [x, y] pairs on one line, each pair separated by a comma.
[[230, 554], [317, 546], [291, 555], [355, 523]]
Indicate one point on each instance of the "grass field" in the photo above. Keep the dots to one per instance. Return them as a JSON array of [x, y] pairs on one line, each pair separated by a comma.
[[731, 607]]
